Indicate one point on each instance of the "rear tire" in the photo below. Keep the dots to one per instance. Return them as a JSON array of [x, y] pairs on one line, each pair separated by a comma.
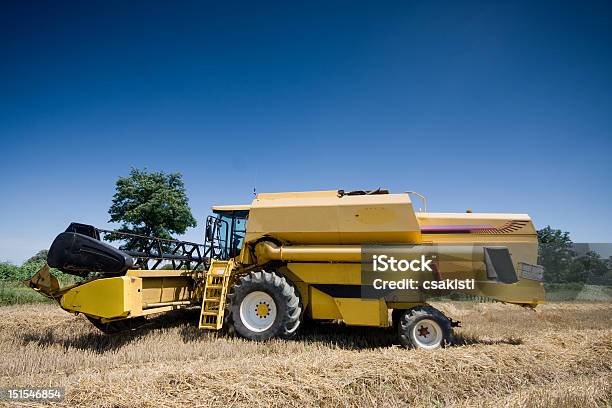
[[265, 305], [424, 327]]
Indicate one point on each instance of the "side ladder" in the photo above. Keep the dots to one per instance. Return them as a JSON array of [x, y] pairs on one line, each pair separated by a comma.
[[215, 293]]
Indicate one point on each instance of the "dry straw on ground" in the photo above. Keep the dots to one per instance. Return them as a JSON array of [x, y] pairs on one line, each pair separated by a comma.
[[560, 355]]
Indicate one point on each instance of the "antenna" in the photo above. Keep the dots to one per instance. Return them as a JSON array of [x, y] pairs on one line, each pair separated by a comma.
[[255, 182]]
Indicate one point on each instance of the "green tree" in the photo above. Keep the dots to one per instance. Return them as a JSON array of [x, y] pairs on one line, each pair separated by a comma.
[[154, 204], [11, 272], [8, 271], [588, 268], [555, 254], [606, 279], [39, 257]]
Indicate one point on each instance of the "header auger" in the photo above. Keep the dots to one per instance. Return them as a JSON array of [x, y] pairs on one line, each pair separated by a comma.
[[266, 267]]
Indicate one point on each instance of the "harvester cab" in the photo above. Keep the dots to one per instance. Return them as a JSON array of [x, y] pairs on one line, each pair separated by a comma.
[[286, 257], [225, 231]]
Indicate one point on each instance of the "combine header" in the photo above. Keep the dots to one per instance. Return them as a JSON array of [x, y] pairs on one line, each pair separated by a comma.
[[266, 267]]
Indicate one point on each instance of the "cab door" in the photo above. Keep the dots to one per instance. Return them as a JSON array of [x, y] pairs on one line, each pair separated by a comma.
[[225, 234]]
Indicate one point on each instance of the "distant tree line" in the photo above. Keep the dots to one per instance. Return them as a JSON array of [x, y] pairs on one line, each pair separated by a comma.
[[12, 272], [563, 264]]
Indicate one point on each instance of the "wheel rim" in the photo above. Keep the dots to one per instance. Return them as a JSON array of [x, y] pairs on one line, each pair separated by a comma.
[[258, 311], [427, 334]]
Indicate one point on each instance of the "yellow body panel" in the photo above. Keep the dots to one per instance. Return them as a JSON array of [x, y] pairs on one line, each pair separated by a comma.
[[138, 293], [163, 286], [353, 311], [363, 312], [161, 290], [322, 306], [323, 217], [525, 292], [342, 275], [492, 219], [326, 273], [108, 298]]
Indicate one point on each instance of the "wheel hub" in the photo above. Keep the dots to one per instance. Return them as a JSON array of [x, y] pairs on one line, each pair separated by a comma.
[[423, 331], [258, 311], [262, 310], [427, 334]]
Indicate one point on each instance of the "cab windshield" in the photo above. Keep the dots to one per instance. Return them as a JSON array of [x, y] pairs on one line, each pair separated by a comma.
[[225, 233]]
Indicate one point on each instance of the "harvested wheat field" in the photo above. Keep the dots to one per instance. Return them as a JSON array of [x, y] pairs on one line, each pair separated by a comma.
[[560, 355]]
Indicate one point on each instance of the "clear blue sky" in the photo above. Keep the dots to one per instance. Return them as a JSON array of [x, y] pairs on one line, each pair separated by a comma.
[[497, 107]]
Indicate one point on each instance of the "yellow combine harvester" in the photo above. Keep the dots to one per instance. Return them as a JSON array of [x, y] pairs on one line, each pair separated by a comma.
[[266, 267]]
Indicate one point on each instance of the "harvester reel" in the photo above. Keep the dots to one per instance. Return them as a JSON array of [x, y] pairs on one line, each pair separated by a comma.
[[265, 305]]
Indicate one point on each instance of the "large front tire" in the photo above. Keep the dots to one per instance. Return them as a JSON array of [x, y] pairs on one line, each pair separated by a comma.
[[265, 305]]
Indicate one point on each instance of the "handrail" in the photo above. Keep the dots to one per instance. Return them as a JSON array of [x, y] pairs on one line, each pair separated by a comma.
[[421, 196]]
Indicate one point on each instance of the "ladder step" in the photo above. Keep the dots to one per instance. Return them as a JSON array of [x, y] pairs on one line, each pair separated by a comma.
[[215, 291]]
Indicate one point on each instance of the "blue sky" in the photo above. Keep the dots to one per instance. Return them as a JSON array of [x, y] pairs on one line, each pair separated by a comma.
[[493, 106]]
